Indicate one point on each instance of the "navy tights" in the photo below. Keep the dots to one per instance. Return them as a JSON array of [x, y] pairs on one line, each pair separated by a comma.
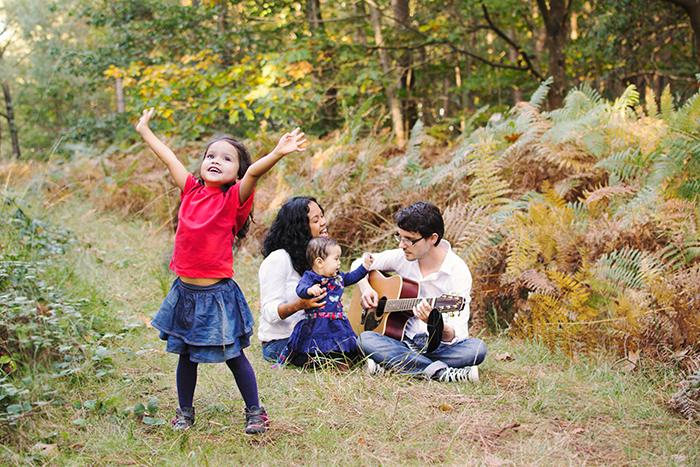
[[186, 379]]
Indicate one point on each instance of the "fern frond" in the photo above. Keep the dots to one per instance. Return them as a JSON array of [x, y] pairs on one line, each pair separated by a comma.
[[607, 192], [629, 98], [627, 268], [540, 95], [666, 104], [687, 117], [471, 231], [537, 282], [414, 142], [626, 165]]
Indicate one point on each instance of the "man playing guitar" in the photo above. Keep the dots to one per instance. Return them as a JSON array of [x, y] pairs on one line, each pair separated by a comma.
[[425, 258]]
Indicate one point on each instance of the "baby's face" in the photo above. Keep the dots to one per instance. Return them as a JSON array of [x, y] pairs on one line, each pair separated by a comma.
[[329, 266]]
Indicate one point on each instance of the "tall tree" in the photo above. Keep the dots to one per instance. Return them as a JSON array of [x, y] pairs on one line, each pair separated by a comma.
[[390, 82], [556, 18], [692, 9], [10, 117]]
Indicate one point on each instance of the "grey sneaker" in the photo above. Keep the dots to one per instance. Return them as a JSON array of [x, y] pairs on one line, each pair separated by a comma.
[[470, 373], [184, 419], [373, 368], [256, 421]]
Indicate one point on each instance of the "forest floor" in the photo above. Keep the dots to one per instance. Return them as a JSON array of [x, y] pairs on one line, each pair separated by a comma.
[[532, 407]]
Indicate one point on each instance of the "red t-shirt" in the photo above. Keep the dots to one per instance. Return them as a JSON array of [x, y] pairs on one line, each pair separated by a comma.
[[207, 222]]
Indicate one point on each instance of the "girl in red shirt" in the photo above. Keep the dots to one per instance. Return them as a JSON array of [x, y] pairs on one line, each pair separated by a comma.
[[205, 317]]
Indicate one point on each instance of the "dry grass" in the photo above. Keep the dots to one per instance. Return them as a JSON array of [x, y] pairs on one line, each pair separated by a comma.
[[533, 407]]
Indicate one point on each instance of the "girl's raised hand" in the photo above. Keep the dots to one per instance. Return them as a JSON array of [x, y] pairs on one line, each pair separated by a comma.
[[291, 142], [145, 118]]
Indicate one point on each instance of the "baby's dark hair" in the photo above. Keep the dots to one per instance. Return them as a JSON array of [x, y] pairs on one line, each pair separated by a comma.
[[421, 217], [244, 161], [319, 247]]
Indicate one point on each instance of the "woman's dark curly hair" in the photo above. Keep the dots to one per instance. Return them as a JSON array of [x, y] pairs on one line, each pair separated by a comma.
[[244, 161], [290, 231]]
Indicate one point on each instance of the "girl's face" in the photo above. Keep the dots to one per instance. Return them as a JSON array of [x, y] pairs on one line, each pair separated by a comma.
[[317, 221], [329, 266], [220, 164]]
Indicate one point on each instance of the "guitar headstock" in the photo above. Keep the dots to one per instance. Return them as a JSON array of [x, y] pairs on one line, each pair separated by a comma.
[[450, 303]]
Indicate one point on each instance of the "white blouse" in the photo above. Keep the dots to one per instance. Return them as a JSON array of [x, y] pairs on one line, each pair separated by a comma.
[[278, 282]]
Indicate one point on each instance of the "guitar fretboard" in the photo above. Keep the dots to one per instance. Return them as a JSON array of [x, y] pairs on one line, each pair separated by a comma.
[[405, 304]]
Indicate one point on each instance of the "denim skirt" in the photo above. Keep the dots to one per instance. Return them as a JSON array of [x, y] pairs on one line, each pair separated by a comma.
[[211, 323]]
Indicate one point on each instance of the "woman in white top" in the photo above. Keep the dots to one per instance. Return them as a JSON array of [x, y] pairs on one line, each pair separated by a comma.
[[284, 248]]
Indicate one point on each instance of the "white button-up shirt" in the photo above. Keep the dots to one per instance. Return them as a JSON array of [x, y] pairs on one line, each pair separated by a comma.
[[453, 277]]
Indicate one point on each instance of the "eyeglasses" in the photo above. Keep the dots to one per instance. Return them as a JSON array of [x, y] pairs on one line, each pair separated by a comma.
[[406, 241]]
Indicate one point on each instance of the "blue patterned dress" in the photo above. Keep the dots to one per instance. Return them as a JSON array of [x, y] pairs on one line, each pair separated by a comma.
[[326, 329]]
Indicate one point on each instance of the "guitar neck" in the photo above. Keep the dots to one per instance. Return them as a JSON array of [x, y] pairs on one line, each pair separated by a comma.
[[405, 304]]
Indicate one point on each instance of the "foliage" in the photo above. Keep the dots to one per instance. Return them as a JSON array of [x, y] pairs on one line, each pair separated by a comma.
[[44, 335]]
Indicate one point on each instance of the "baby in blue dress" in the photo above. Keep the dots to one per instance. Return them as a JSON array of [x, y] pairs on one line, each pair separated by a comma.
[[325, 331]]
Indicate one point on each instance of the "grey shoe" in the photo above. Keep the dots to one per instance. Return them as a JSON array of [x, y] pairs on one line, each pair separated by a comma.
[[470, 374], [256, 421], [184, 419]]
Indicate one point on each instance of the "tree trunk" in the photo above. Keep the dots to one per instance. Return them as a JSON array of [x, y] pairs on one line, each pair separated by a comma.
[[329, 107], [407, 75], [313, 14], [395, 111], [692, 8], [223, 27], [360, 11], [11, 121], [555, 20], [513, 55], [120, 95]]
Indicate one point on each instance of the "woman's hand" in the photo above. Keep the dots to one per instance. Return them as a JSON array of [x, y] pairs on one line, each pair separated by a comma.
[[316, 302]]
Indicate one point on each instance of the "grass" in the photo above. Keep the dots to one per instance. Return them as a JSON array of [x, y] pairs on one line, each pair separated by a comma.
[[533, 407]]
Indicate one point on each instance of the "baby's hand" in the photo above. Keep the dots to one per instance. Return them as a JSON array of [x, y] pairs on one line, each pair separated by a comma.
[[367, 260], [291, 142], [315, 290], [143, 121]]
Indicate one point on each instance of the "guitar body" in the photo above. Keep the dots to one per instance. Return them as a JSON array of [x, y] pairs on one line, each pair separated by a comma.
[[389, 288]]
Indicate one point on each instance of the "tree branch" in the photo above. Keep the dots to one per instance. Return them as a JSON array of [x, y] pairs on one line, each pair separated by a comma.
[[453, 48], [530, 67]]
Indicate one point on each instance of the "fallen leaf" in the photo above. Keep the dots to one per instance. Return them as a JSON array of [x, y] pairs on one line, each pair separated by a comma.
[[45, 448], [506, 356], [445, 407], [145, 320], [493, 461]]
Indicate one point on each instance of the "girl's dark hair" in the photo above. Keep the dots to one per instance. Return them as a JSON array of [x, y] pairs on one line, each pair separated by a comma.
[[290, 231], [319, 248], [244, 161]]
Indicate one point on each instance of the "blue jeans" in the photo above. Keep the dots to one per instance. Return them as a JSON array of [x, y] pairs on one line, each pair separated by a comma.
[[271, 351], [409, 356]]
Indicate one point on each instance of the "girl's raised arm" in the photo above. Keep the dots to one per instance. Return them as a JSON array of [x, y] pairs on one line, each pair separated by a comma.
[[176, 168], [290, 142]]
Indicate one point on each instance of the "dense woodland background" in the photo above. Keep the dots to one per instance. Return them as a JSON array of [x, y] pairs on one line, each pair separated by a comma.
[[560, 139]]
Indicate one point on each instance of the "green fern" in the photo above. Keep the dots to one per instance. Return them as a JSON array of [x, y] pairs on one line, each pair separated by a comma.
[[627, 268], [539, 96], [628, 99], [627, 164]]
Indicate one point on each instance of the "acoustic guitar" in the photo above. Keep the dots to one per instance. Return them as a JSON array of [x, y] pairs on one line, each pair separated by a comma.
[[397, 297]]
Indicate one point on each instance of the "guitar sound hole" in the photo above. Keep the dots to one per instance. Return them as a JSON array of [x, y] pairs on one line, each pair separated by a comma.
[[374, 317]]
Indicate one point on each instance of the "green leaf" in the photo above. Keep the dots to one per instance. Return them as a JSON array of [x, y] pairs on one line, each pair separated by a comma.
[[139, 409], [152, 406]]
